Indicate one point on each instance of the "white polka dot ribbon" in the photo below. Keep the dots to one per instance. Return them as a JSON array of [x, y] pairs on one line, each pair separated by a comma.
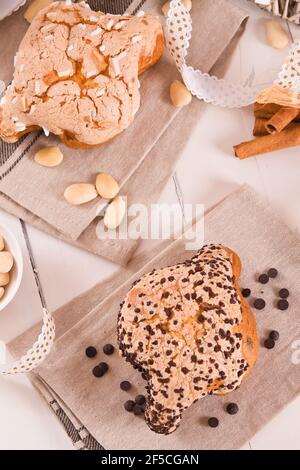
[[205, 87], [37, 353]]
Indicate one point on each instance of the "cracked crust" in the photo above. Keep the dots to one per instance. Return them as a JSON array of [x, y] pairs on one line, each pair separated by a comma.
[[189, 330], [76, 74]]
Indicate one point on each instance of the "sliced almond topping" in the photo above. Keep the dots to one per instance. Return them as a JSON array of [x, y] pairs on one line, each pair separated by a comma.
[[96, 32], [110, 24], [100, 92], [119, 25], [24, 103], [46, 131], [80, 193], [20, 127], [107, 186], [136, 38], [115, 213], [65, 73], [49, 157], [32, 109]]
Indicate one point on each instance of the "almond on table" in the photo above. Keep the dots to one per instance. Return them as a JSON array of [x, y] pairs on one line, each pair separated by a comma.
[[107, 186], [277, 37], [80, 193], [49, 157], [115, 213], [179, 94]]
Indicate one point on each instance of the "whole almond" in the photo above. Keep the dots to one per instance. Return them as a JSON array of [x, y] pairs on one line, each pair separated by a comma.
[[2, 292], [1, 243], [6, 261], [80, 193], [187, 3], [115, 213], [4, 279], [180, 95], [49, 156], [277, 37], [34, 8], [107, 186]]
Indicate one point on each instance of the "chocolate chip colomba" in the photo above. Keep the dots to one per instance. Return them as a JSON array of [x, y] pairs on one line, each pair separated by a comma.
[[189, 330], [76, 74]]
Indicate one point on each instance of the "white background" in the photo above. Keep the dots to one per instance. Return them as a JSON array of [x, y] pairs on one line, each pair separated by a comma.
[[206, 173]]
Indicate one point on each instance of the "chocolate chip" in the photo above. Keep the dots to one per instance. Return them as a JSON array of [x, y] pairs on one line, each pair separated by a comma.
[[274, 335], [269, 343], [137, 410], [259, 304], [99, 371], [129, 405], [263, 279], [140, 399], [108, 349], [282, 304], [232, 408], [272, 273], [125, 385], [103, 368], [246, 293], [213, 422], [283, 293], [91, 351]]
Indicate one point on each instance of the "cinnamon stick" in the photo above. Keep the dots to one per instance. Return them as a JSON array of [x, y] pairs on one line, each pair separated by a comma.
[[265, 111], [281, 119], [289, 137], [260, 127]]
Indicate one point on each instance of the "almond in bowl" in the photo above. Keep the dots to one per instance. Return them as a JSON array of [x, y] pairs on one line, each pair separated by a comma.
[[11, 266]]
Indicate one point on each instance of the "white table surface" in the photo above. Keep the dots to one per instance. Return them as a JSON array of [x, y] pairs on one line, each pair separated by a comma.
[[206, 172]]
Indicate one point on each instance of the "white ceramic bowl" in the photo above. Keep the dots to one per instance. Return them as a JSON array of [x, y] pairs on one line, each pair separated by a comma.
[[9, 6], [12, 245]]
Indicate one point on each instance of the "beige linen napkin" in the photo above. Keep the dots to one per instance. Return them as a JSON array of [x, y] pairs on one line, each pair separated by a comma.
[[92, 409], [142, 158]]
